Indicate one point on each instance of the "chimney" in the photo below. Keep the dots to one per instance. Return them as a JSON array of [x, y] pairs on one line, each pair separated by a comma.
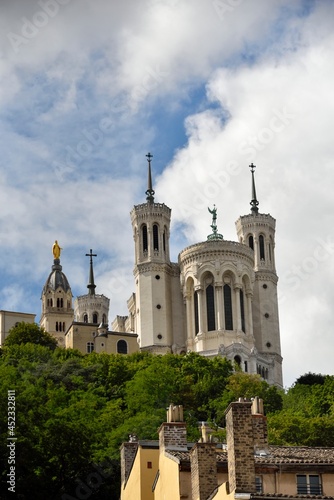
[[128, 453], [203, 465], [240, 447], [260, 430], [173, 433]]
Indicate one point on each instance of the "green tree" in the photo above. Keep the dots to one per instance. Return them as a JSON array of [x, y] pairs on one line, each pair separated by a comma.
[[24, 333]]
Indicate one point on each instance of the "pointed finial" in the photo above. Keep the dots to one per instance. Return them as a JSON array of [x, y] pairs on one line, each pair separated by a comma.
[[254, 203], [91, 285], [150, 191]]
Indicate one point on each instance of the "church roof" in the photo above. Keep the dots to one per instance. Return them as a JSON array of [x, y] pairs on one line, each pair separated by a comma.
[[56, 278]]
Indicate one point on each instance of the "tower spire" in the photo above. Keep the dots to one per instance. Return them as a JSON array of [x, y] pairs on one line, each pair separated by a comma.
[[91, 285], [254, 203], [150, 191]]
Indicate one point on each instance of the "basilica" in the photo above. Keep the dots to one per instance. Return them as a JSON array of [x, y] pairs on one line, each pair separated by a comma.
[[219, 299]]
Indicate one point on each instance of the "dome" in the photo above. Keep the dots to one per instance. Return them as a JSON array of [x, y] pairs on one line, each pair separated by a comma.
[[57, 278]]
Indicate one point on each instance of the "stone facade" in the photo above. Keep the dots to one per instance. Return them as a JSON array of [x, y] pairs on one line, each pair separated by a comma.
[[9, 319], [219, 299]]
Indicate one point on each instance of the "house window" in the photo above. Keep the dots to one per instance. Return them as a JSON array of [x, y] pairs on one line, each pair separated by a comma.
[[90, 347], [258, 484], [85, 318], [228, 307], [122, 347], [251, 242], [210, 308], [95, 318], [149, 465], [309, 484]]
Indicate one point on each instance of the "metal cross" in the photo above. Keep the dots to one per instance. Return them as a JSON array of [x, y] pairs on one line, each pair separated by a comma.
[[91, 255], [252, 167]]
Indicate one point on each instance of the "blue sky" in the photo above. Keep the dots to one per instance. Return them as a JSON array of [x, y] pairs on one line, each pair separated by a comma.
[[89, 87]]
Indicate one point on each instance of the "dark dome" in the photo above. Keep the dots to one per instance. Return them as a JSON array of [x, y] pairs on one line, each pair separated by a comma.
[[57, 278]]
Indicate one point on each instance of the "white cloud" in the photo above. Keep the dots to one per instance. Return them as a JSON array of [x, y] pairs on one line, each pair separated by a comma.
[[267, 68]]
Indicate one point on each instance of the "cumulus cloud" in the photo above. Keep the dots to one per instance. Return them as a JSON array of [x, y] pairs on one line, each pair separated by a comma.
[[89, 87]]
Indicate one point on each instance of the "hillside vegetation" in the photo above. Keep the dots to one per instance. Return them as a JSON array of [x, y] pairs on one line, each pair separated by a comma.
[[73, 411]]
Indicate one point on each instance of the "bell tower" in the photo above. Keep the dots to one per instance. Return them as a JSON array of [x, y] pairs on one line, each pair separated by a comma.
[[257, 231], [57, 311], [153, 271]]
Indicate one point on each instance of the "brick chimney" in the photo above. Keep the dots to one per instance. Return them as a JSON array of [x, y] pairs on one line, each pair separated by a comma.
[[173, 433], [240, 447], [128, 453], [203, 465], [260, 429]]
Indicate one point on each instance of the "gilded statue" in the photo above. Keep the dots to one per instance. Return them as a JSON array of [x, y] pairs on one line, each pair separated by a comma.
[[56, 250]]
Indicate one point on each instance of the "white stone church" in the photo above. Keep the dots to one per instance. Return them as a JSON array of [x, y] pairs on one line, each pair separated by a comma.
[[219, 299]]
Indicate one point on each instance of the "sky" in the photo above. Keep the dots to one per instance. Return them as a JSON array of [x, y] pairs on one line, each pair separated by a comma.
[[89, 87]]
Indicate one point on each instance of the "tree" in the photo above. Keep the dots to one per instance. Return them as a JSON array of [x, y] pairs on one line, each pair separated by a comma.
[[24, 333], [311, 379]]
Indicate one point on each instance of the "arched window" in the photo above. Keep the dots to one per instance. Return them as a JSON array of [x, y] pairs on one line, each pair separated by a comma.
[[56, 326], [242, 311], [251, 242], [246, 366], [95, 318], [164, 240], [155, 237], [90, 347], [228, 307], [210, 308], [58, 302], [51, 302], [122, 347], [85, 318], [144, 233], [63, 326], [237, 359], [261, 243], [196, 312]]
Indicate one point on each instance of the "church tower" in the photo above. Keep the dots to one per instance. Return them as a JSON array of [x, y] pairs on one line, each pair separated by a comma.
[[57, 311], [158, 295], [257, 231], [91, 308]]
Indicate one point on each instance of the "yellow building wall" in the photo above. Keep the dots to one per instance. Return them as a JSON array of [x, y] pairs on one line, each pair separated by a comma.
[[168, 485], [140, 481], [287, 483]]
